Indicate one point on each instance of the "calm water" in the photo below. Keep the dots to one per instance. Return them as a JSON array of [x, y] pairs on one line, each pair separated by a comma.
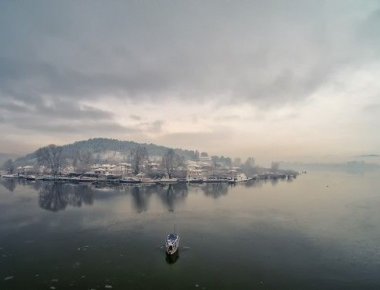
[[319, 231]]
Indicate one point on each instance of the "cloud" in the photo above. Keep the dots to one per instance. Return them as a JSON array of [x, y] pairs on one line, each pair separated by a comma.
[[77, 128], [227, 118], [15, 112], [368, 32], [135, 68], [211, 141], [135, 117], [13, 107], [264, 53], [372, 108], [156, 126]]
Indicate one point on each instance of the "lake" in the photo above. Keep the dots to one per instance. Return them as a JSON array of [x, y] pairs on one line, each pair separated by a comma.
[[318, 231]]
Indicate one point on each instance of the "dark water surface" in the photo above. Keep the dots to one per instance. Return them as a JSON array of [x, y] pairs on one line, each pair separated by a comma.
[[319, 231]]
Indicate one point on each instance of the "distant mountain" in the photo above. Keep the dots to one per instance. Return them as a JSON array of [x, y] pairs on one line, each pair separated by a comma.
[[107, 150], [350, 167]]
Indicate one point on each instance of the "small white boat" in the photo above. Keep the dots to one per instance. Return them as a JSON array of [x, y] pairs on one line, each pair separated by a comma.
[[168, 180], [47, 178], [194, 180], [241, 177], [9, 176], [147, 180], [130, 180], [172, 244], [87, 179]]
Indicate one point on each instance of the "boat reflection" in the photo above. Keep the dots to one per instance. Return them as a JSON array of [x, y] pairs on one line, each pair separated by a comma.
[[171, 259]]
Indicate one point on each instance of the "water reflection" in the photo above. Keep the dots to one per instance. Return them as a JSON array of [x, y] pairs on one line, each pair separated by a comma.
[[140, 198], [173, 194], [9, 184], [255, 183], [171, 259], [302, 236], [57, 196], [215, 190], [170, 195], [274, 181]]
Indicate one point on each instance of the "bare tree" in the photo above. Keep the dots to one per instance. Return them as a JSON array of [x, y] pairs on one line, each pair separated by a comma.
[[170, 162], [82, 161], [196, 155], [250, 162], [249, 167], [275, 166], [51, 157], [9, 166], [237, 162], [138, 155]]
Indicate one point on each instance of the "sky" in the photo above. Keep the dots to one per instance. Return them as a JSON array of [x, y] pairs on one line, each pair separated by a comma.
[[277, 80]]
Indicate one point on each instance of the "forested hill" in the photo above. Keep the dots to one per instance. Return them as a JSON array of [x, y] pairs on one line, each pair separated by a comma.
[[104, 149]]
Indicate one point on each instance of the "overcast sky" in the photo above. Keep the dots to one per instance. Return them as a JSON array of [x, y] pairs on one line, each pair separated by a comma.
[[278, 80]]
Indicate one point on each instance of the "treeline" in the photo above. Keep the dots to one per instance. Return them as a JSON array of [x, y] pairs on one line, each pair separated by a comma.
[[53, 159], [82, 154], [97, 147]]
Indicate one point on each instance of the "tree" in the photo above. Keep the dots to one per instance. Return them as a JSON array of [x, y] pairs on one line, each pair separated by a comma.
[[275, 166], [237, 162], [249, 167], [138, 155], [250, 162], [215, 160], [196, 155], [170, 162], [82, 161], [226, 160], [51, 157], [9, 166]]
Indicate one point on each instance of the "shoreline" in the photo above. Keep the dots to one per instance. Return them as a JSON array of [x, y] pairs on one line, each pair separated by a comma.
[[135, 181]]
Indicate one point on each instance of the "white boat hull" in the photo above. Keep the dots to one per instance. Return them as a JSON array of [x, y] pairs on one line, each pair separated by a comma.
[[172, 244]]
